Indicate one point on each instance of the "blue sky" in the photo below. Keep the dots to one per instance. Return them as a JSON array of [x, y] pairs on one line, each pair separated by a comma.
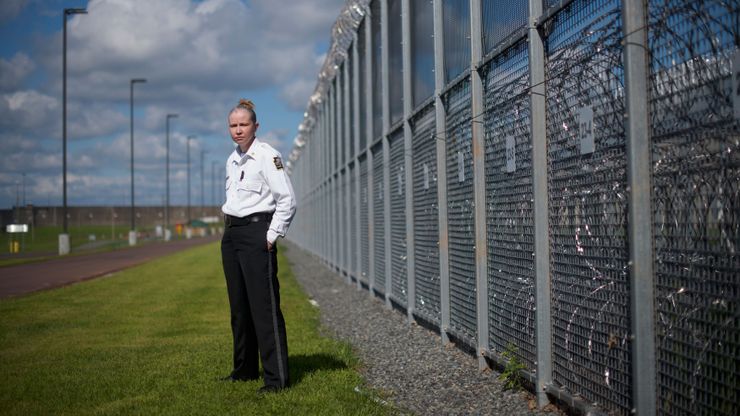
[[199, 58]]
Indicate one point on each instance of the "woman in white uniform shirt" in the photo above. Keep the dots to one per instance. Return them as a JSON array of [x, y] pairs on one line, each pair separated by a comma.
[[260, 204]]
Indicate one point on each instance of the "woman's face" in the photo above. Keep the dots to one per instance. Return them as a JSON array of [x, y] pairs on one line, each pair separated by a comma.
[[242, 128]]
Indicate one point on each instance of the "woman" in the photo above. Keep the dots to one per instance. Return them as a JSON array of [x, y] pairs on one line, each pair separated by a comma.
[[259, 207]]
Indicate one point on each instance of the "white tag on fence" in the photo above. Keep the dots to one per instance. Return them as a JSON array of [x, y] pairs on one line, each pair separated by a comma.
[[510, 154], [400, 180], [426, 176], [586, 129], [460, 167], [736, 83]]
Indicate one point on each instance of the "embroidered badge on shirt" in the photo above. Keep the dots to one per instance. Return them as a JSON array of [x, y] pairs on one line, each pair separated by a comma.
[[278, 162]]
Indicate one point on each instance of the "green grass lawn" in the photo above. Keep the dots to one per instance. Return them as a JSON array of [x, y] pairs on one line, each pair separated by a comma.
[[153, 340]]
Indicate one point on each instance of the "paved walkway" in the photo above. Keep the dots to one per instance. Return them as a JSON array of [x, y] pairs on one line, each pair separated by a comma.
[[31, 277]]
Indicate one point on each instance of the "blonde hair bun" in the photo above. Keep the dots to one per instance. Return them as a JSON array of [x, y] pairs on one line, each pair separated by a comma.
[[244, 103]]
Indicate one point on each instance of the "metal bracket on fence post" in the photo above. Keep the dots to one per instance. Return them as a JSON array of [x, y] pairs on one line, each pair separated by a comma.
[[540, 195], [441, 144], [637, 128]]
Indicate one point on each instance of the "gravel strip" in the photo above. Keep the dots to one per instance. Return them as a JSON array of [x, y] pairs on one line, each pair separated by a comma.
[[406, 363]]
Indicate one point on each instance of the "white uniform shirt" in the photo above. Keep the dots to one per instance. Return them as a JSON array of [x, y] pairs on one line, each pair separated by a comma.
[[256, 182]]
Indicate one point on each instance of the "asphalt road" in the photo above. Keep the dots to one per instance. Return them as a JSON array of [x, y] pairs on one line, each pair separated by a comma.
[[31, 277]]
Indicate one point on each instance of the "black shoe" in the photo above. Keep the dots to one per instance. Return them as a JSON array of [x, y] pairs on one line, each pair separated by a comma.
[[234, 379], [269, 389]]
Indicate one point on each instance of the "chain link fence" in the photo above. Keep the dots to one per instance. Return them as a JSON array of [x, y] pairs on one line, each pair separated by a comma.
[[554, 182]]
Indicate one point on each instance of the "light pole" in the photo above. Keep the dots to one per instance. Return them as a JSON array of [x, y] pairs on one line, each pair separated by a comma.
[[16, 211], [189, 139], [132, 233], [213, 182], [64, 237], [167, 233], [202, 184]]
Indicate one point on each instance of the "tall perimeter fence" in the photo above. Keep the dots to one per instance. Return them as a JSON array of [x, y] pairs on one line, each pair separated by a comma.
[[557, 181]]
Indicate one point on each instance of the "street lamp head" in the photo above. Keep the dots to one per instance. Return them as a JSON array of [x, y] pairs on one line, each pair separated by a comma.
[[75, 11], [138, 80], [172, 115]]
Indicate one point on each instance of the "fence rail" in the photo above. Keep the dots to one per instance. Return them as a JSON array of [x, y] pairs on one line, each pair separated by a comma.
[[556, 180]]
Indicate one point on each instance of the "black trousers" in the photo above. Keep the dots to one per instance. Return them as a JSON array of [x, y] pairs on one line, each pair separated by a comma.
[[257, 322]]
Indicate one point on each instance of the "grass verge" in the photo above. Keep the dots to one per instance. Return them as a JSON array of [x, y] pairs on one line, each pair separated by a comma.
[[42, 243], [46, 239], [153, 340]]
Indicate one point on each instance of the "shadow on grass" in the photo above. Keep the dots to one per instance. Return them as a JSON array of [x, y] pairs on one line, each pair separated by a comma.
[[302, 365]]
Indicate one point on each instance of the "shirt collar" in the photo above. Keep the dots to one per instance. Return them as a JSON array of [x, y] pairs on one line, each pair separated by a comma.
[[241, 157]]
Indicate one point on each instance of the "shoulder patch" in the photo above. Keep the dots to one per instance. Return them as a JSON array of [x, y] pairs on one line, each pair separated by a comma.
[[278, 163]]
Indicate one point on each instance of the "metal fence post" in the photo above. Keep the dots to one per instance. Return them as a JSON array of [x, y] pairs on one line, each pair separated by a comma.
[[540, 195], [370, 223], [408, 162], [479, 183], [356, 97], [637, 128], [317, 179], [386, 152], [330, 181], [387, 223], [335, 173], [325, 183], [339, 199], [440, 143], [368, 145], [348, 158], [320, 181]]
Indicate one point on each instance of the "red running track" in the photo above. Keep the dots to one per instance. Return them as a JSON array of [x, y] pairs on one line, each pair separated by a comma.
[[32, 277]]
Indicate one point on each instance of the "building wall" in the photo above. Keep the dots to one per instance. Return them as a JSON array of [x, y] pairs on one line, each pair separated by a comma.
[[77, 216]]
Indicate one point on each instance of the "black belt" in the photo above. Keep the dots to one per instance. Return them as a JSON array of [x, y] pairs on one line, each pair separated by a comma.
[[232, 221]]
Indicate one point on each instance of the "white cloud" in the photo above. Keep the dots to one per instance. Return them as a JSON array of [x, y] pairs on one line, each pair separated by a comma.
[[169, 42], [198, 58], [217, 46], [33, 160], [30, 112], [94, 122], [274, 138], [14, 71], [29, 101], [294, 93]]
